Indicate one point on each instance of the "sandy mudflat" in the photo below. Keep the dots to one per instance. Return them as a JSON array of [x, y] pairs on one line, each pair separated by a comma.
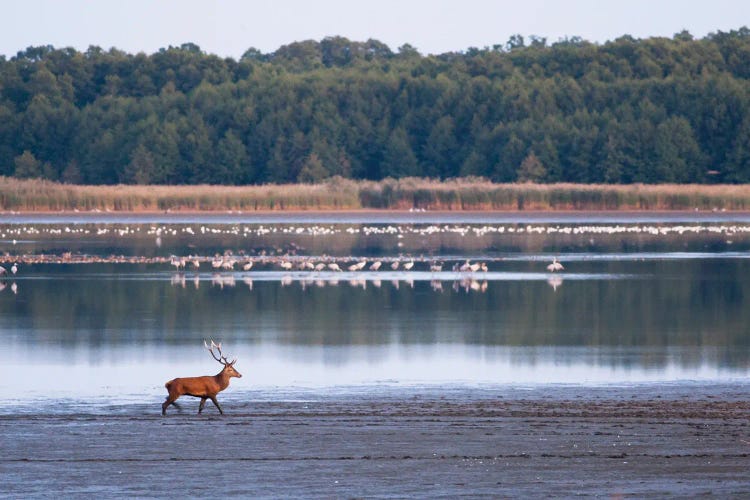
[[642, 440]]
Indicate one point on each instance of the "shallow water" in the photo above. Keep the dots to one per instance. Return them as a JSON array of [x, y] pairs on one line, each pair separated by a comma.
[[640, 300]]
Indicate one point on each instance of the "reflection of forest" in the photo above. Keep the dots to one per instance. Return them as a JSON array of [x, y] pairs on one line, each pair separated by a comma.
[[665, 304]]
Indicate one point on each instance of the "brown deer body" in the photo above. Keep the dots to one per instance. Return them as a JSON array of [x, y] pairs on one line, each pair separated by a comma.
[[206, 387]]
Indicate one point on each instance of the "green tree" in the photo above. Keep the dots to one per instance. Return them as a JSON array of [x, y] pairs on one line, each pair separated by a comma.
[[511, 156], [312, 170], [399, 159], [737, 166], [440, 150], [27, 166], [678, 157], [531, 169], [141, 168], [232, 165]]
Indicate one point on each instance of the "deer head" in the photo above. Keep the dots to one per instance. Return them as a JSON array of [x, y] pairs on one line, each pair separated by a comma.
[[215, 350]]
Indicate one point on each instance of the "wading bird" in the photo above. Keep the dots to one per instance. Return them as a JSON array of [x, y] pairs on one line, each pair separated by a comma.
[[555, 266], [177, 263], [206, 387], [286, 265]]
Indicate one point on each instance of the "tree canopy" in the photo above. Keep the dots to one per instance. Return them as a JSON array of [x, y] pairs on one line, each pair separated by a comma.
[[651, 110]]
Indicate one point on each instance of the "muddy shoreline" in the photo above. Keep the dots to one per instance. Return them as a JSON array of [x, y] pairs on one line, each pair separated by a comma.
[[642, 440]]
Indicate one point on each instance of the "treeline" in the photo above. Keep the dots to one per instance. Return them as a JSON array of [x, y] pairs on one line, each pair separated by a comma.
[[657, 110]]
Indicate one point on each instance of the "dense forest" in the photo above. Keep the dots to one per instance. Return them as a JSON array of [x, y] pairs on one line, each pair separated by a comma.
[[627, 111]]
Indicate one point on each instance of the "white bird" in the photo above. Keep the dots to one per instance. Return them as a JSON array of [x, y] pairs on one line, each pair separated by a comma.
[[354, 267], [474, 267], [375, 265], [465, 267], [247, 266], [395, 265], [334, 267], [555, 266], [409, 265], [3, 271], [320, 266], [436, 267], [483, 267], [286, 265], [14, 268]]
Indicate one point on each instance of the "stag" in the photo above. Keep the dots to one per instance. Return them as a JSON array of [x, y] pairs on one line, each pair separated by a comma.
[[206, 387]]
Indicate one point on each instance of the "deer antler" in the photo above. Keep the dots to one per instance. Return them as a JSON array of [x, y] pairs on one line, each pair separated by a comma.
[[220, 358]]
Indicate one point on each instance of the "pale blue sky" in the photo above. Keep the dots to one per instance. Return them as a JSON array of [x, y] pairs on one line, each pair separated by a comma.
[[229, 27]]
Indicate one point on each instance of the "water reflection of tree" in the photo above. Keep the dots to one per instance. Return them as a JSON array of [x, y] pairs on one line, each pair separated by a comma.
[[691, 304]]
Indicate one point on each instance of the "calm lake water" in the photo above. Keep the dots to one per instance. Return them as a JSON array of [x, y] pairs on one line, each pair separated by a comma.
[[95, 310]]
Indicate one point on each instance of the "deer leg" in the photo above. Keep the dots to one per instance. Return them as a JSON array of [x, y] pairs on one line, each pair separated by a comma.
[[216, 404], [169, 401], [203, 403]]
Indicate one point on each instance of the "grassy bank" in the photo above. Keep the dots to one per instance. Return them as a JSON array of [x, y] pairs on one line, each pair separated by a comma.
[[342, 194]]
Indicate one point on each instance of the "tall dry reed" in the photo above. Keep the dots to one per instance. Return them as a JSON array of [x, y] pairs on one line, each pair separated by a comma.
[[343, 194]]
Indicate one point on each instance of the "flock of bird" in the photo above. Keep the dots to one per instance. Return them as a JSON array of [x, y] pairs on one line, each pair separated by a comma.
[[324, 273], [288, 263], [15, 232], [467, 281], [4, 273]]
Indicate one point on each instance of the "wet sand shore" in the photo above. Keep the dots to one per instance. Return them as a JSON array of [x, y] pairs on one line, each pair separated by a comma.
[[641, 440]]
